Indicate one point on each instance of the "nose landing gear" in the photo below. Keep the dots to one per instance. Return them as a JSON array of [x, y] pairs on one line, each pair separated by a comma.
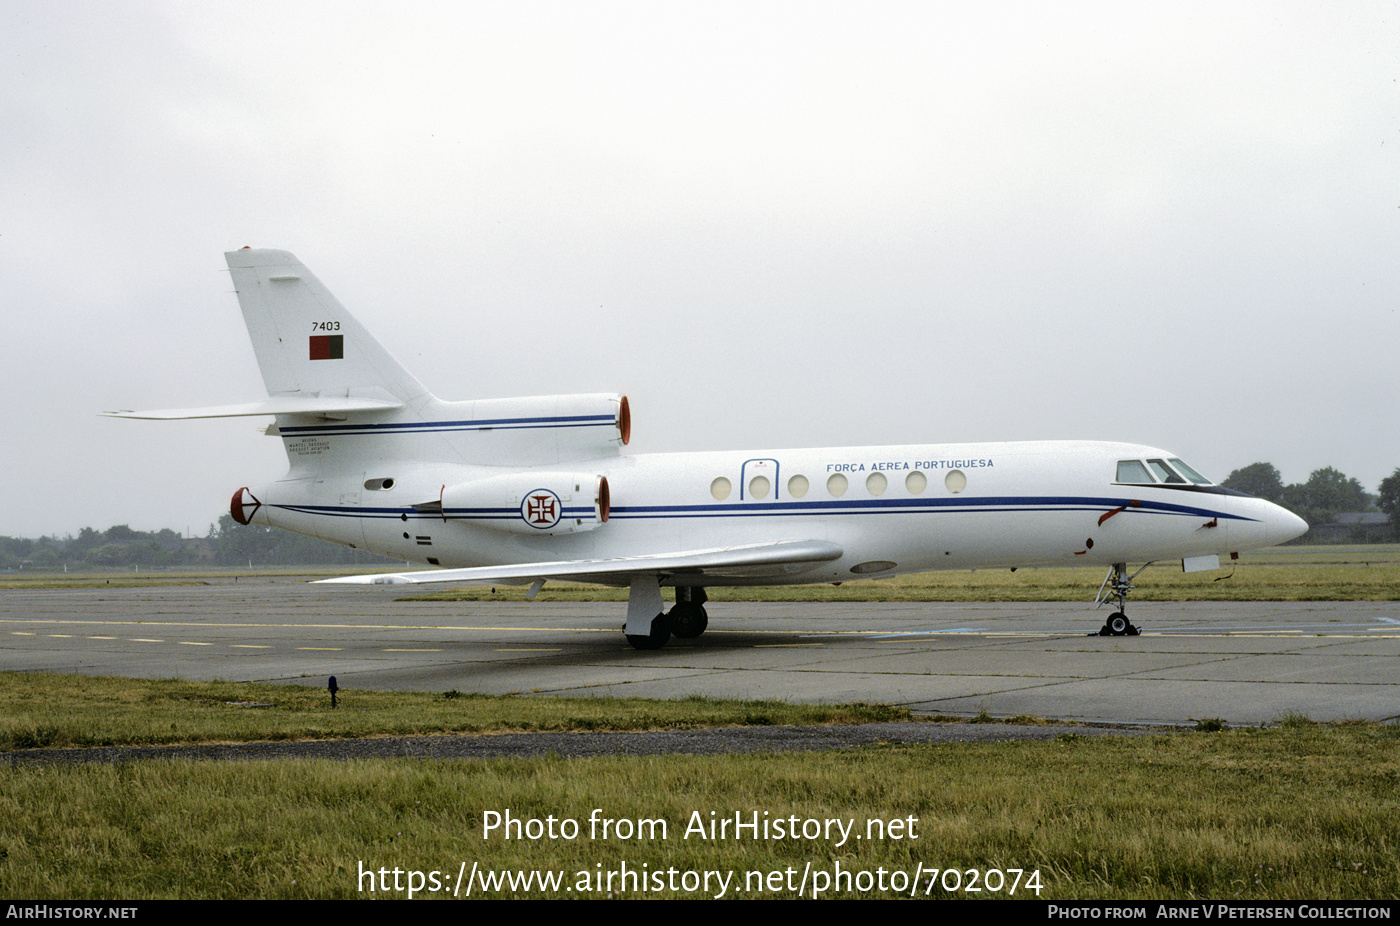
[[1116, 585]]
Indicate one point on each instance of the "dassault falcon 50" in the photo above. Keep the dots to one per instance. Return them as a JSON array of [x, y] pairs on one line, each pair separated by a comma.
[[530, 489]]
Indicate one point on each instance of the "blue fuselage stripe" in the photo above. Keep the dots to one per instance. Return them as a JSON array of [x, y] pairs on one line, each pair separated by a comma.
[[1045, 504], [482, 424]]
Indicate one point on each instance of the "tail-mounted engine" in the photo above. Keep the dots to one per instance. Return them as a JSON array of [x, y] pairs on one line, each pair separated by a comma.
[[527, 503], [542, 430]]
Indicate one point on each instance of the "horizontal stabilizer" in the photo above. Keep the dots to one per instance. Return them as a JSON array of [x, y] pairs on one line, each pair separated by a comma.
[[751, 560], [329, 406]]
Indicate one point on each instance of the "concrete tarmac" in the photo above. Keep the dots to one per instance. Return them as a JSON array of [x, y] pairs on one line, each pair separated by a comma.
[[1244, 662]]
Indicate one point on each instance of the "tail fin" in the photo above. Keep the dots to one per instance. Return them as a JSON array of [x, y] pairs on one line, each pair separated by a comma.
[[306, 343], [322, 368]]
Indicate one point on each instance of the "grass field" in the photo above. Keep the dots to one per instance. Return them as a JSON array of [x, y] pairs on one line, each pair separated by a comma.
[[1295, 812], [52, 710]]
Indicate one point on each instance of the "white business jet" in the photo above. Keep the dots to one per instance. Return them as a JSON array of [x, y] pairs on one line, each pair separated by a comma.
[[531, 489]]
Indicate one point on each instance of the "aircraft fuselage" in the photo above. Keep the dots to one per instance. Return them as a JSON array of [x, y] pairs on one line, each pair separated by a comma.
[[891, 510]]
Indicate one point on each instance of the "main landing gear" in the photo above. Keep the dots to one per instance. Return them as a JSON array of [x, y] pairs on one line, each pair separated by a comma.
[[687, 615], [1116, 585], [649, 628]]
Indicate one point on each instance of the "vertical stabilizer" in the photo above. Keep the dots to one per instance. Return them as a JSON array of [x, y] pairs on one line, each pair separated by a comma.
[[306, 343]]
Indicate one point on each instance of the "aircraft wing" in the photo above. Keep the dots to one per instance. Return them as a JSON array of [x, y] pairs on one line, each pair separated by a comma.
[[756, 560]]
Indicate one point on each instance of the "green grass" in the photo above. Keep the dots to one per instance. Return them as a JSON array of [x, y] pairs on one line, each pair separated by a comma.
[[1299, 811], [49, 710], [1305, 811]]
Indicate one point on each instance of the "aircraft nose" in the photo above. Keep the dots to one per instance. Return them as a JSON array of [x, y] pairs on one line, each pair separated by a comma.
[[1283, 525]]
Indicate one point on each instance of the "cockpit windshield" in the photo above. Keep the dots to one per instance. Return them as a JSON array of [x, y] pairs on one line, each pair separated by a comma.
[[1163, 472], [1190, 473], [1158, 472]]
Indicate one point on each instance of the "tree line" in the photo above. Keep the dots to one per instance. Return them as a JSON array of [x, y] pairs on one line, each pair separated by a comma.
[[227, 544], [1327, 495]]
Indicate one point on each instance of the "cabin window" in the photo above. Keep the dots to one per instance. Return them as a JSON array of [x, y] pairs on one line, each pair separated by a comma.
[[836, 485], [916, 482], [720, 488], [797, 486], [955, 481], [876, 483], [758, 487]]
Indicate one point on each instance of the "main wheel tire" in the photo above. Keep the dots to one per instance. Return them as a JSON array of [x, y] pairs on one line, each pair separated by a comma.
[[660, 634], [1118, 625], [688, 620]]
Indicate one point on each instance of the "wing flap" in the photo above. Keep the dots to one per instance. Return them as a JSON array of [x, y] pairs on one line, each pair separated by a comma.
[[759, 560]]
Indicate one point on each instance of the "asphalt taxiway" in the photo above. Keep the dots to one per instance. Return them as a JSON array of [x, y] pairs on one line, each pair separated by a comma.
[[1244, 662]]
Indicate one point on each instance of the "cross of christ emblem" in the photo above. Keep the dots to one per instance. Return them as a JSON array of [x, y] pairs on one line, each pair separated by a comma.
[[542, 509]]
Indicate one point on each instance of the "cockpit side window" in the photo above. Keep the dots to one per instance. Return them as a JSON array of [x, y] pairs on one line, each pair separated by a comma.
[[1164, 472], [1132, 471], [1189, 473]]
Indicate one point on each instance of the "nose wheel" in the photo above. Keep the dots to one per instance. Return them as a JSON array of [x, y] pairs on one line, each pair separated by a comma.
[[1116, 586], [1118, 626]]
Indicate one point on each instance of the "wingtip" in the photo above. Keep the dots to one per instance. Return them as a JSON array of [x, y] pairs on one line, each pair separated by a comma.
[[391, 579]]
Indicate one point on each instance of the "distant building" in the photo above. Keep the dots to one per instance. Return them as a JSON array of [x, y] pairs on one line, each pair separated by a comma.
[[1351, 527], [200, 550]]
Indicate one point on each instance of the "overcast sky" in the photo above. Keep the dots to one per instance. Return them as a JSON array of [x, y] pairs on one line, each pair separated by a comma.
[[770, 224]]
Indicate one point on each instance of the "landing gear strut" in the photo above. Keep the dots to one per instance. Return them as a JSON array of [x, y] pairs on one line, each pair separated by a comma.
[[1116, 585], [649, 627], [687, 616]]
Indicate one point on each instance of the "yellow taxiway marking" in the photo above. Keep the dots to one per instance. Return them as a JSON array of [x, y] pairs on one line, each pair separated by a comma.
[[529, 649], [101, 638], [241, 624], [143, 640], [322, 649], [412, 650], [250, 646], [193, 643]]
